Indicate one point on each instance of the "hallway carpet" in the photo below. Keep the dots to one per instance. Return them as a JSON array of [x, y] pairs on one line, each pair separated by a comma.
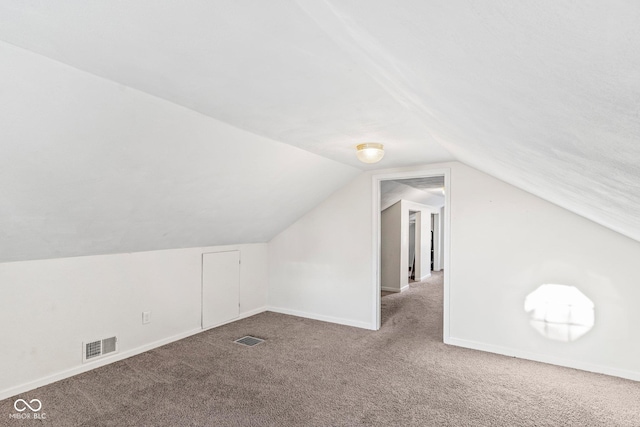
[[311, 373]]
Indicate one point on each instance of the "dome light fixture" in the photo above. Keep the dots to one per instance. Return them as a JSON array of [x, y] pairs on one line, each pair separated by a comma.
[[370, 152]]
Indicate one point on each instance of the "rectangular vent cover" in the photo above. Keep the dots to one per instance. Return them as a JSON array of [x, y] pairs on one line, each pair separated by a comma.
[[108, 345], [99, 348], [249, 341], [93, 349]]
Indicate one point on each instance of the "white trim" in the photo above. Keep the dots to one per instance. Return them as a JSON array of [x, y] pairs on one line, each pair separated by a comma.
[[4, 394], [253, 312], [426, 276], [240, 317], [321, 317], [446, 251], [552, 360], [85, 367], [375, 256]]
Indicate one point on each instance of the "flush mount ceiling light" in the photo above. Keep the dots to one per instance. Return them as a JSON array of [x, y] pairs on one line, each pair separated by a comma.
[[370, 152]]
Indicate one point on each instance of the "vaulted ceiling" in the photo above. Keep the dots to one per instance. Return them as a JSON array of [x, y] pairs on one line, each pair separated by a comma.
[[121, 122]]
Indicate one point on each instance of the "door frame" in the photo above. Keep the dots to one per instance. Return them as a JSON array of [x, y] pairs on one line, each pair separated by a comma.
[[446, 252]]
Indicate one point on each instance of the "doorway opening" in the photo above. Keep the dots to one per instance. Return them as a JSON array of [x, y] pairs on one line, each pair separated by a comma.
[[411, 230], [412, 246]]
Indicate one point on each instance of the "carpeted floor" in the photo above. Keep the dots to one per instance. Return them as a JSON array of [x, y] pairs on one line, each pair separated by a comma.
[[310, 373]]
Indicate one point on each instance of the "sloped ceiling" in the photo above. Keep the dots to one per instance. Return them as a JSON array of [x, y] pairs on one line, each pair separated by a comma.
[[261, 66], [541, 94], [426, 191], [90, 167]]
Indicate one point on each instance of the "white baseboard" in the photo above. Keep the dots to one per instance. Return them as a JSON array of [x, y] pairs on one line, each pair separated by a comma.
[[424, 277], [4, 394], [22, 388], [321, 317], [240, 317], [552, 360], [253, 312]]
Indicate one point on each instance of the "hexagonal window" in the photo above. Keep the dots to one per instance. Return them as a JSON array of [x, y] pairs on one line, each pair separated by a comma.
[[560, 312]]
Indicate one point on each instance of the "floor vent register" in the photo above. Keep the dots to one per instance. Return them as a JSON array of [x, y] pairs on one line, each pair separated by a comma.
[[249, 341]]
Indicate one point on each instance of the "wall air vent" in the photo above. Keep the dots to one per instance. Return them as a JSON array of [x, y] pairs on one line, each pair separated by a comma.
[[99, 348], [93, 349]]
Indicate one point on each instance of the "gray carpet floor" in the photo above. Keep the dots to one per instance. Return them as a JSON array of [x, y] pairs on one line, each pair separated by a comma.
[[311, 373]]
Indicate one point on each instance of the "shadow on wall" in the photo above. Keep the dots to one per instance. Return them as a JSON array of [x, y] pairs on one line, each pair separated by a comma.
[[560, 312]]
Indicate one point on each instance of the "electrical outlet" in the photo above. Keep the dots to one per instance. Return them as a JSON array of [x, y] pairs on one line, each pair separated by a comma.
[[146, 317]]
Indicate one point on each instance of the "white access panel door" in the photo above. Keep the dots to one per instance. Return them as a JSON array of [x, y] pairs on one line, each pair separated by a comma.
[[220, 288]]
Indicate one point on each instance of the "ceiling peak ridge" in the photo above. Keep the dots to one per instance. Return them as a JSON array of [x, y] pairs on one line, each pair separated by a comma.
[[373, 58]]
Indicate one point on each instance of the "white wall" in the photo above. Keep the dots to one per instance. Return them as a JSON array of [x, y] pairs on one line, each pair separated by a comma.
[[504, 244], [390, 249], [320, 267], [412, 242], [438, 241], [50, 307], [423, 239], [395, 244]]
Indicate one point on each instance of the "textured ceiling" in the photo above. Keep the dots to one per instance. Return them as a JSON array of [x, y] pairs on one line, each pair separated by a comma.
[[425, 190], [430, 183], [90, 167], [541, 94], [262, 66]]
